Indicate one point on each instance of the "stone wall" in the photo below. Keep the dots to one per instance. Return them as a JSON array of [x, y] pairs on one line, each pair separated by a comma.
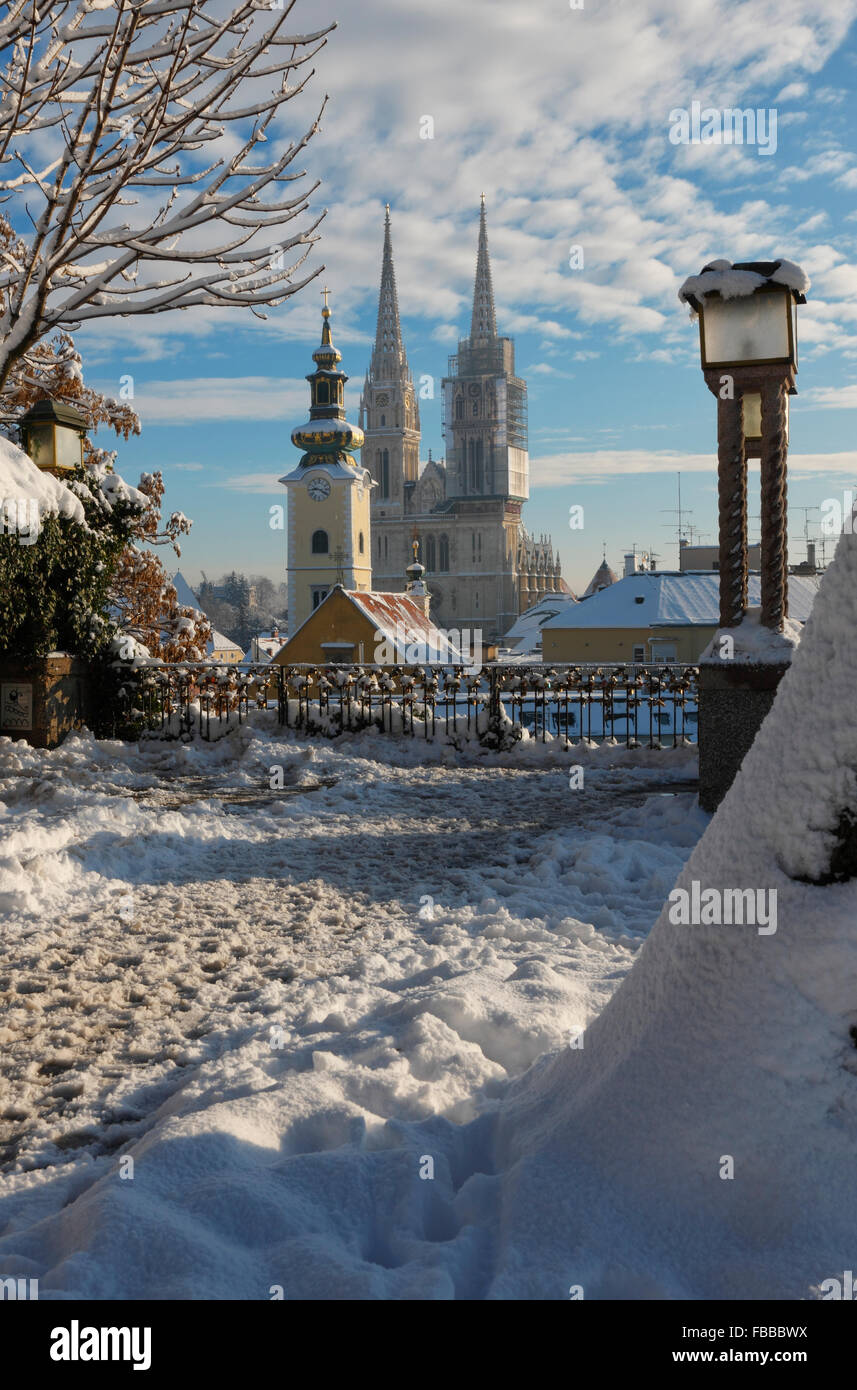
[[42, 699]]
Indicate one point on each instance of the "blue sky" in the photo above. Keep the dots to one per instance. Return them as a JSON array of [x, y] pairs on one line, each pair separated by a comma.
[[562, 117]]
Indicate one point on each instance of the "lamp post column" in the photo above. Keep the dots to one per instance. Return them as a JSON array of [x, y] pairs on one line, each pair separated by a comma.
[[774, 537], [732, 507]]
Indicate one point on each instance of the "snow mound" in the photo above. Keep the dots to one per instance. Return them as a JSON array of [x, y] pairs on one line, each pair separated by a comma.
[[724, 1051], [20, 478]]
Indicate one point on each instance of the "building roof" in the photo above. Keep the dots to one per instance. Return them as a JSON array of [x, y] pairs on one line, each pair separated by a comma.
[[266, 645], [186, 596], [668, 598], [601, 579], [220, 643], [401, 622], [188, 599], [523, 637]]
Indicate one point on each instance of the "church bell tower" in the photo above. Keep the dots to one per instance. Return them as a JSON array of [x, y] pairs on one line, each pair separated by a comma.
[[328, 523]]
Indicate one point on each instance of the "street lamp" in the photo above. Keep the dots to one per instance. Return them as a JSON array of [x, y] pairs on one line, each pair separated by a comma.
[[53, 435], [748, 344]]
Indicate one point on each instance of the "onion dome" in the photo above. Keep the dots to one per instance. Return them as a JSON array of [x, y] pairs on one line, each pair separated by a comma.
[[327, 436]]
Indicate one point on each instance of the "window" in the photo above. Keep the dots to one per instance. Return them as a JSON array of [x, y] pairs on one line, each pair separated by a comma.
[[386, 552], [639, 654], [379, 547], [443, 556], [459, 408], [320, 543], [360, 544], [383, 419], [385, 474], [322, 393], [431, 554], [475, 407], [318, 595]]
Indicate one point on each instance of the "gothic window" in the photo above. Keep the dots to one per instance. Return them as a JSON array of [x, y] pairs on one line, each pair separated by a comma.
[[473, 540], [476, 600], [385, 478], [475, 407], [318, 595], [379, 547], [443, 556], [459, 408], [385, 548], [383, 419], [320, 543], [360, 543], [431, 555]]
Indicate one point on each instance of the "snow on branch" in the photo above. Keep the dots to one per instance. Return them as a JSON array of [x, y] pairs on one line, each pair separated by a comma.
[[105, 102]]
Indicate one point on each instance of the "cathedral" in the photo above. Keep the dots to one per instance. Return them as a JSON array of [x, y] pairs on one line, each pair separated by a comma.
[[482, 567]]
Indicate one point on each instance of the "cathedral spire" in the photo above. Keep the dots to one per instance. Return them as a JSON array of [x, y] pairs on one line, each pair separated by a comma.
[[484, 322], [389, 362]]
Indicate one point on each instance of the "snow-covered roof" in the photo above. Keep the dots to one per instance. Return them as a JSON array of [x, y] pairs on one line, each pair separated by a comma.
[[219, 643], [186, 596], [667, 598], [20, 479], [403, 622], [523, 637], [265, 645], [733, 281]]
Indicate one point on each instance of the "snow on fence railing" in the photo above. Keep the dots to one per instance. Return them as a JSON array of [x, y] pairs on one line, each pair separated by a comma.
[[635, 705]]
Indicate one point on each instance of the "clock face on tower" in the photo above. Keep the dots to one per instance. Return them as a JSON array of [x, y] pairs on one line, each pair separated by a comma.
[[318, 488]]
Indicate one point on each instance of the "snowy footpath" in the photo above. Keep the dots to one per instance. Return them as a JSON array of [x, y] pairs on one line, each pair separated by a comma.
[[295, 1007]]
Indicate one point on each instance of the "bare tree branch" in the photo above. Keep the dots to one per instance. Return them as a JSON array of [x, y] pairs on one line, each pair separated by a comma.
[[104, 102]]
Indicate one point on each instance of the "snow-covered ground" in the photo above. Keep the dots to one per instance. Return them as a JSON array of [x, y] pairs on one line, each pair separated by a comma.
[[282, 1002]]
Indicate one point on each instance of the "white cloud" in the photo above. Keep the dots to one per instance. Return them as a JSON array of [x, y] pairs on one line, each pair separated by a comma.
[[791, 92], [596, 466], [185, 402], [831, 398], [267, 483]]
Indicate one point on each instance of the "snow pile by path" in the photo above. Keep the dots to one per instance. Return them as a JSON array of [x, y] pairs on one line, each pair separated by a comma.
[[724, 1045], [282, 1003]]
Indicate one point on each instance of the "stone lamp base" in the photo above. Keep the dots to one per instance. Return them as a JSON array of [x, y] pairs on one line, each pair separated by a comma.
[[734, 699], [43, 698]]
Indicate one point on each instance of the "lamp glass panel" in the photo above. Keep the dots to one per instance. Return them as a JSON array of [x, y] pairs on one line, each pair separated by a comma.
[[754, 328], [753, 415], [68, 447], [40, 444]]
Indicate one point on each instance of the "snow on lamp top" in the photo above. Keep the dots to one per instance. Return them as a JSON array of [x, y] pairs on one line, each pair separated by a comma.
[[744, 277], [747, 312]]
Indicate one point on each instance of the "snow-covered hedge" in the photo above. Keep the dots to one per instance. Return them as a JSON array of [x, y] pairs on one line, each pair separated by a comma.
[[58, 547]]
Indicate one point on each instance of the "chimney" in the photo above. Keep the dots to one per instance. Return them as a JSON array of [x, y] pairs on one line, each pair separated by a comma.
[[810, 554]]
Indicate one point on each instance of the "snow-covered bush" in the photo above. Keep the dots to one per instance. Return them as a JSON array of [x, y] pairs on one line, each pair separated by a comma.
[[54, 591]]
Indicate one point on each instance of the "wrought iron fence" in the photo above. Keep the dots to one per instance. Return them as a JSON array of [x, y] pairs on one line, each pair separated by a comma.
[[636, 705]]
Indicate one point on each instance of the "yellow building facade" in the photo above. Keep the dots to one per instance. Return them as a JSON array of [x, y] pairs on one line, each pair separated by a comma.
[[615, 644]]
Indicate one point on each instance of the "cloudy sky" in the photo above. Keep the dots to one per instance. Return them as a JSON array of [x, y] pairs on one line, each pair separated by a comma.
[[561, 116]]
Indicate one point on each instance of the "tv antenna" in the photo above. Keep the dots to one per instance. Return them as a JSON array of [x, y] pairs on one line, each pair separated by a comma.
[[681, 513]]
